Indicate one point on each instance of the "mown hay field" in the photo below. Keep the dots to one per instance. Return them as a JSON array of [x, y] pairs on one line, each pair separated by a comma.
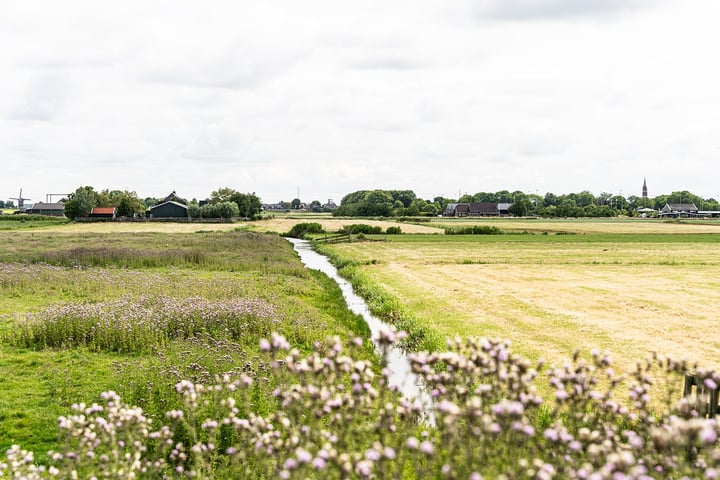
[[587, 225], [629, 293], [277, 225]]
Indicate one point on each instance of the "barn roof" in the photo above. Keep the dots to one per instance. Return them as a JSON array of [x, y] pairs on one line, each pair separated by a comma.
[[483, 207], [169, 202], [103, 211], [47, 206], [682, 207]]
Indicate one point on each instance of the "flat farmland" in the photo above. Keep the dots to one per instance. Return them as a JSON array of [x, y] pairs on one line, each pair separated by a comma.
[[333, 224], [587, 226], [626, 293], [277, 225]]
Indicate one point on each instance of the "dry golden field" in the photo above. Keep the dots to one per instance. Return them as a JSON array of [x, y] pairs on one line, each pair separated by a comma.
[[588, 226], [628, 294], [278, 225], [331, 224]]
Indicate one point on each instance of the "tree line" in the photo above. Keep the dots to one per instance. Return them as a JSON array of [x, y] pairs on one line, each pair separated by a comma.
[[223, 203], [398, 203]]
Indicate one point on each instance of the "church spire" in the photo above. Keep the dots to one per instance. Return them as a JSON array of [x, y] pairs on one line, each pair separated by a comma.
[[644, 191]]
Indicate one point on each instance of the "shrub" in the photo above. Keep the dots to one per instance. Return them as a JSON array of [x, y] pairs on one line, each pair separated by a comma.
[[393, 231], [299, 230], [357, 228], [474, 230]]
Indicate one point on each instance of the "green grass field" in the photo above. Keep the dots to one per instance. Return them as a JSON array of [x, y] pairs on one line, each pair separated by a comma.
[[142, 278]]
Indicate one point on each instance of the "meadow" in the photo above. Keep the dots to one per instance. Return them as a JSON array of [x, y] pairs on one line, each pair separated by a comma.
[[627, 287], [203, 353], [133, 307]]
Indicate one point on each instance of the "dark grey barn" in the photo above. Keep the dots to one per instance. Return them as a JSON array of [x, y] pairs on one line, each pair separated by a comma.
[[169, 209]]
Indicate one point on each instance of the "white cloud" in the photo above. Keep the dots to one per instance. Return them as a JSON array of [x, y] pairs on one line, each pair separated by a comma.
[[332, 97]]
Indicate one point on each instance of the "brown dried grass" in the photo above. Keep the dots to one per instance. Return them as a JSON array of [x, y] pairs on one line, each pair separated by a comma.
[[552, 298]]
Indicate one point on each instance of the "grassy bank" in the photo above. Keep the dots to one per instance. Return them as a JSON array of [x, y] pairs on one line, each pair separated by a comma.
[[142, 311]]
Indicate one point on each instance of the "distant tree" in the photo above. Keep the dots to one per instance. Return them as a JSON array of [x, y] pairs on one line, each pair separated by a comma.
[[81, 202], [223, 194], [536, 201], [484, 197], [549, 212], [194, 210], [249, 205], [660, 201], [407, 197], [149, 202], [128, 204], [618, 202], [227, 210], [466, 199], [295, 203], [684, 197], [377, 203], [519, 208], [315, 206], [441, 203], [366, 203], [550, 199], [582, 199], [503, 196], [567, 208], [430, 209], [2, 203]]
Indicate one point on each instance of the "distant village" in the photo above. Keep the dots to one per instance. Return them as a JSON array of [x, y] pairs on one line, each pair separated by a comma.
[[87, 204], [171, 206]]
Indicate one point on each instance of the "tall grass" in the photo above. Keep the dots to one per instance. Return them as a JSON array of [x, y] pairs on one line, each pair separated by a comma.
[[139, 325]]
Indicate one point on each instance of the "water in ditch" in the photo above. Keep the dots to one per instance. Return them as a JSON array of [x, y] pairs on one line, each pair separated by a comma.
[[401, 375]]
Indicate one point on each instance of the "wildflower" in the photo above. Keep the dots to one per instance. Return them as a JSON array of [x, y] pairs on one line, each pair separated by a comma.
[[303, 455], [319, 463], [364, 468], [707, 435], [427, 447]]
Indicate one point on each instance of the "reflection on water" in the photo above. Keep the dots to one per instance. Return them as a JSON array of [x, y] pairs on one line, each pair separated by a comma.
[[401, 376]]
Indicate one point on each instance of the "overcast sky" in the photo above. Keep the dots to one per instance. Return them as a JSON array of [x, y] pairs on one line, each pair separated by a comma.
[[328, 97]]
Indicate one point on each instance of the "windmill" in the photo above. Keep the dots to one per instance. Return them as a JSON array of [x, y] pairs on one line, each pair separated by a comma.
[[21, 201]]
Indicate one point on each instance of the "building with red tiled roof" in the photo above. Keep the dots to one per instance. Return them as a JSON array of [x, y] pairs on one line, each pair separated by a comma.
[[103, 212]]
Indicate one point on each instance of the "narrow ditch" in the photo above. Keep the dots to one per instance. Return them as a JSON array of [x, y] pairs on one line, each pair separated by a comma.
[[401, 375]]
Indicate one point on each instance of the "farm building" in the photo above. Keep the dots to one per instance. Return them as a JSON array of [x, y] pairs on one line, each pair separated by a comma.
[[103, 212], [52, 209], [169, 209], [474, 209], [679, 210]]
